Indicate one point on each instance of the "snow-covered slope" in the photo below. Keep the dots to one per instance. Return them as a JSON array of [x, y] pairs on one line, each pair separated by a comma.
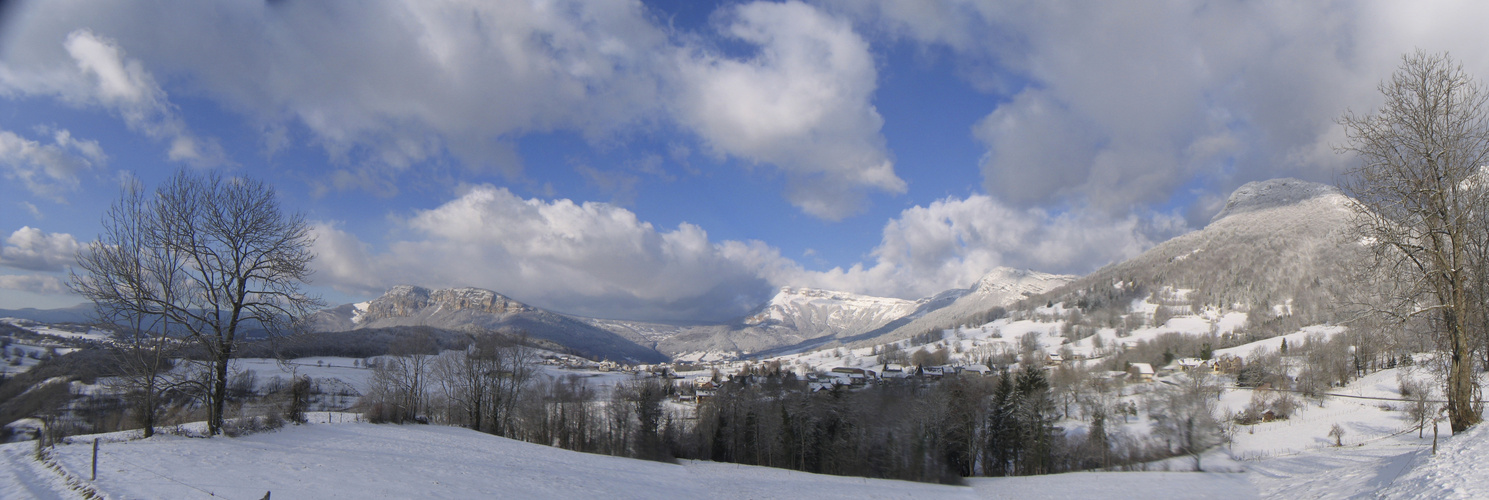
[[812, 311], [1457, 471], [1276, 241], [798, 319], [999, 288], [351, 460], [1275, 193]]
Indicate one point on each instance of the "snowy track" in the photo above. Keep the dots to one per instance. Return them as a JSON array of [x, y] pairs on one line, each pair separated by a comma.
[[21, 476]]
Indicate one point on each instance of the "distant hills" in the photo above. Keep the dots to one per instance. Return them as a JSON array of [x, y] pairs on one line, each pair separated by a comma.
[[794, 319], [76, 314]]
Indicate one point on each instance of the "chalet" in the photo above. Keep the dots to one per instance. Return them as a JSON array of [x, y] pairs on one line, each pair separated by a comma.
[[1140, 372], [979, 369], [1228, 363], [1053, 358], [1188, 364], [856, 376], [893, 371]]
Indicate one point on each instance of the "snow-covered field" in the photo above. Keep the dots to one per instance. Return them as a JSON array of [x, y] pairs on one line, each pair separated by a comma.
[[358, 460]]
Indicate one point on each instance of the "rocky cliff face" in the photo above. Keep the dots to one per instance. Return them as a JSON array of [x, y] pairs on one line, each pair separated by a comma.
[[405, 301]]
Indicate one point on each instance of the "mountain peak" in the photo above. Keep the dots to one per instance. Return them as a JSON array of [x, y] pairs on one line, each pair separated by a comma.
[[408, 300], [1018, 282], [1272, 193], [817, 309]]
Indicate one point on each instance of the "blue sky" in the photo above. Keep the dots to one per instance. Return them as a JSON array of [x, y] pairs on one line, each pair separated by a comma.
[[681, 160]]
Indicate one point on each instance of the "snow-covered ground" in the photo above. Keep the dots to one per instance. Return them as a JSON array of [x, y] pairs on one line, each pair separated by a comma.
[[358, 460], [354, 460]]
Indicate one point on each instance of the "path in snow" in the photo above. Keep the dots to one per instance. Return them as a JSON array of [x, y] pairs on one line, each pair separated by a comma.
[[1338, 473], [21, 476]]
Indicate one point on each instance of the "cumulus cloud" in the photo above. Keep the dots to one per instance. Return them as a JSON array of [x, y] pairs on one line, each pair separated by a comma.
[[952, 242], [34, 283], [601, 260], [801, 103], [1120, 105], [48, 170], [32, 249], [384, 87]]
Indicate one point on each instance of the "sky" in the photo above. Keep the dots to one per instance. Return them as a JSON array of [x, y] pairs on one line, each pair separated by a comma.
[[680, 160]]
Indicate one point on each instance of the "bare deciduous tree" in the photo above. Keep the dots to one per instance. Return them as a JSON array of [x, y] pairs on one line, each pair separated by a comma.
[[1420, 202], [119, 274], [207, 257], [1185, 415]]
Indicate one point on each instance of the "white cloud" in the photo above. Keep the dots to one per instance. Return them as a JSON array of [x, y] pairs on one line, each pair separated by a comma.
[[32, 249], [1116, 105], [386, 87], [48, 170], [801, 103], [34, 283], [95, 72], [952, 242]]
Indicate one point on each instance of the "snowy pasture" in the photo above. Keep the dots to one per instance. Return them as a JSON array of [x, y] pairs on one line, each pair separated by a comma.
[[358, 460], [346, 459]]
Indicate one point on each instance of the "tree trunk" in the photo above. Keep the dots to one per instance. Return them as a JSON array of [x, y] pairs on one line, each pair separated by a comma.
[[218, 395], [1461, 414]]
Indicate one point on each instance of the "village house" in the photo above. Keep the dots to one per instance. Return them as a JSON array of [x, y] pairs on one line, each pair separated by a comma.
[[1187, 364], [1228, 363], [1140, 372], [979, 369]]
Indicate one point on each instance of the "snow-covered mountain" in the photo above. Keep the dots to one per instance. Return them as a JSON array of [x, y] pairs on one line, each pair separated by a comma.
[[800, 319], [998, 288], [792, 317], [811, 311], [1275, 193], [1276, 242], [461, 308]]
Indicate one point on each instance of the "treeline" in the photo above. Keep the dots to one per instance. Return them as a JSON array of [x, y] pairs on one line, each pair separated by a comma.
[[919, 430], [368, 342], [939, 431], [492, 384]]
